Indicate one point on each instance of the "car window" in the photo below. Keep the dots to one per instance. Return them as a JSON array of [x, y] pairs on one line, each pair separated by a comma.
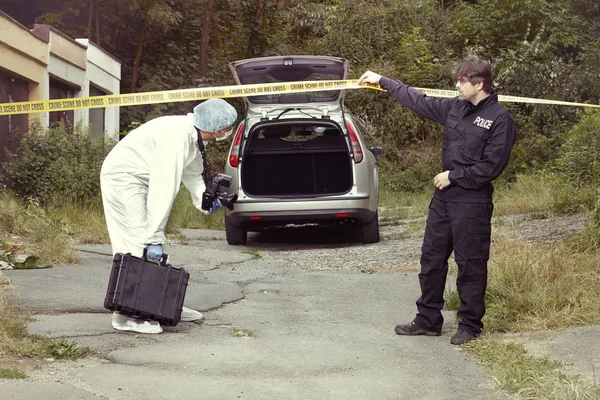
[[302, 97]]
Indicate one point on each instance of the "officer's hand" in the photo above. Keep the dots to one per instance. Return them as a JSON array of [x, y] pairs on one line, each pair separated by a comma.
[[154, 251], [369, 77], [215, 206], [442, 180]]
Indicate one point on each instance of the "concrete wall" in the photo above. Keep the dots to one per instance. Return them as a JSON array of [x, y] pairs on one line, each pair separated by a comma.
[[104, 72], [25, 56], [67, 63]]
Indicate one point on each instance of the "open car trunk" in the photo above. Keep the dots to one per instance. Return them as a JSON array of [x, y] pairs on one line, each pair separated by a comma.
[[296, 159]]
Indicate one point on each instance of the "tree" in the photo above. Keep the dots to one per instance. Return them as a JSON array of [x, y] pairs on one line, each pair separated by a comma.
[[205, 40], [255, 28]]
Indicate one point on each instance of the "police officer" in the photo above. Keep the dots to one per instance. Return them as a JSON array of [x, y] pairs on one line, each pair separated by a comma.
[[478, 137]]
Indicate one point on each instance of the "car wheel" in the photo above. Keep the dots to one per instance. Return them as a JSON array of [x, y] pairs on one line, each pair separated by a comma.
[[235, 234], [370, 230]]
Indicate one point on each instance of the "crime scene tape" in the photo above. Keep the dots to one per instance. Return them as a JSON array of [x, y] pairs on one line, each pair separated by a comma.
[[260, 89], [508, 99]]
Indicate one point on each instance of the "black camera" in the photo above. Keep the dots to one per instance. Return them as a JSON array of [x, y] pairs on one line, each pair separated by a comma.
[[213, 192]]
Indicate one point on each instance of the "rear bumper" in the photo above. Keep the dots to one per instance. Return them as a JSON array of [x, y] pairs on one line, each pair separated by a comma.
[[256, 214]]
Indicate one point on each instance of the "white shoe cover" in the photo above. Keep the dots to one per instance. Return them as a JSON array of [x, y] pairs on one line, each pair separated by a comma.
[[189, 315], [124, 323]]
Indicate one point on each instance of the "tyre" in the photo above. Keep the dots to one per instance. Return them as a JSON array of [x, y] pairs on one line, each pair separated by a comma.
[[235, 235], [370, 230]]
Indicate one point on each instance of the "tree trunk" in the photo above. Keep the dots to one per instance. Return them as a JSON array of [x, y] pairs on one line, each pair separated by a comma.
[[255, 29], [90, 19], [113, 42], [205, 40], [98, 23], [138, 57]]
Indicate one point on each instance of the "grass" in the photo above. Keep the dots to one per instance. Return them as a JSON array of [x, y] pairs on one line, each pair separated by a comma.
[[395, 206], [542, 192], [16, 342], [537, 286], [529, 377], [86, 224], [10, 373], [253, 252], [531, 193], [237, 332], [31, 227], [185, 215]]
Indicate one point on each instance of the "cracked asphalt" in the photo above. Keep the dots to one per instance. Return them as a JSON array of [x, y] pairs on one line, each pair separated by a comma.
[[274, 328]]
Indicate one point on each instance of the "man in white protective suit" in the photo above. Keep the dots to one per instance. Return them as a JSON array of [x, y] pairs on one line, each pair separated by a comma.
[[141, 177]]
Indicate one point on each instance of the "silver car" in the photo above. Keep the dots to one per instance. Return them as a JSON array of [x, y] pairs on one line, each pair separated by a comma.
[[299, 158]]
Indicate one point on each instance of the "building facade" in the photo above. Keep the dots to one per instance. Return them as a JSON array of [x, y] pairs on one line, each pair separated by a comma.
[[45, 64]]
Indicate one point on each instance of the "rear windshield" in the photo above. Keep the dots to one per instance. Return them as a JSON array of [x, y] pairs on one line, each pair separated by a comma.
[[302, 97]]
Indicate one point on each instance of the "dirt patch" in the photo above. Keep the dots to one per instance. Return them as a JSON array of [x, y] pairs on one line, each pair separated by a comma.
[[547, 229]]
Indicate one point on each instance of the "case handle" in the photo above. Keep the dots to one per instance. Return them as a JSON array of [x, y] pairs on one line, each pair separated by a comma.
[[162, 261]]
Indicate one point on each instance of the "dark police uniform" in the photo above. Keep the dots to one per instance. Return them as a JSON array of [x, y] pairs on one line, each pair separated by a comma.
[[476, 148]]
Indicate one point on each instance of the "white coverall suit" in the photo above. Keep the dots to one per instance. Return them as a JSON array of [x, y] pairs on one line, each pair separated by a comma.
[[140, 179]]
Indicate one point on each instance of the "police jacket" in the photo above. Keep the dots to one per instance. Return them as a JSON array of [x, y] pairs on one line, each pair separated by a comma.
[[477, 140]]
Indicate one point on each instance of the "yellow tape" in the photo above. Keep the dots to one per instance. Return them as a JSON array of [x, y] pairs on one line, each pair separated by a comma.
[[171, 96], [508, 99]]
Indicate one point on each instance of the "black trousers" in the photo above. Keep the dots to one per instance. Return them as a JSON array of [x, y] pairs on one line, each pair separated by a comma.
[[464, 228]]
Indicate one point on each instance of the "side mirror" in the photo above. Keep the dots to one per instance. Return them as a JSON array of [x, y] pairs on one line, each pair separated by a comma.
[[377, 151]]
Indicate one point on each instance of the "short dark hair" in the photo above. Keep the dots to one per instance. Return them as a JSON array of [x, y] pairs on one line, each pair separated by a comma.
[[475, 71]]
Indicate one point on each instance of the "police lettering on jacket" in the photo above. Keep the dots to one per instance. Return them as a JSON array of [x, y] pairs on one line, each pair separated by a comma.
[[483, 123]]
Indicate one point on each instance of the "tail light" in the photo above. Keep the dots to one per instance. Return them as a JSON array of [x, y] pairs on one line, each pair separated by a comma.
[[235, 147], [356, 148]]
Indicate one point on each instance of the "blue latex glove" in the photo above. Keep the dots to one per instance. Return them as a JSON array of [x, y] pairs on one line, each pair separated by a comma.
[[215, 206], [154, 251]]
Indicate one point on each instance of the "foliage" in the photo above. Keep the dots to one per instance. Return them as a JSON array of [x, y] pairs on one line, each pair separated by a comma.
[[57, 348], [55, 165], [9, 373], [540, 48], [540, 286], [579, 158], [30, 227]]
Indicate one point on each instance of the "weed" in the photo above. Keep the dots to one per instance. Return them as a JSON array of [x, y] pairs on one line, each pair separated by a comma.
[[451, 301], [39, 233], [535, 286], [185, 215], [58, 348], [86, 223], [253, 252], [396, 206], [9, 373], [15, 342], [530, 377], [242, 332], [529, 194]]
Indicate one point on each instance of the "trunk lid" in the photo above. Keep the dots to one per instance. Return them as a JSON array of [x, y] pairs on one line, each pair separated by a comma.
[[280, 69]]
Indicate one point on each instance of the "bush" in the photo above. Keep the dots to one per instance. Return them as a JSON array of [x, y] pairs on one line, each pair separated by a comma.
[[411, 171], [56, 166], [579, 158], [33, 228]]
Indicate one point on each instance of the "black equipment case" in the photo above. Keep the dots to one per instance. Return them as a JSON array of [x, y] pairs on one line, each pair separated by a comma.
[[143, 288]]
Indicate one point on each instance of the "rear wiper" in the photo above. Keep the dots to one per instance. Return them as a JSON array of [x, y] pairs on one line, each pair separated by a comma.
[[305, 113], [297, 109], [283, 112]]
